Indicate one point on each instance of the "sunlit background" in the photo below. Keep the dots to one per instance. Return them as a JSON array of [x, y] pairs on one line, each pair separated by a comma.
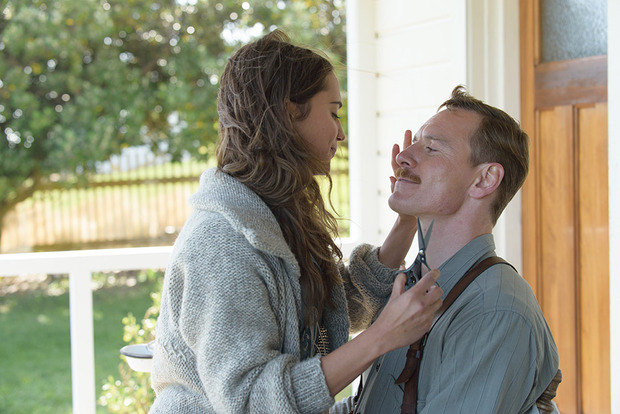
[[107, 119]]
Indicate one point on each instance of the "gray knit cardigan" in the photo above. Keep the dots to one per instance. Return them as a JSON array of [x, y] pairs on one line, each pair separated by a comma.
[[228, 329]]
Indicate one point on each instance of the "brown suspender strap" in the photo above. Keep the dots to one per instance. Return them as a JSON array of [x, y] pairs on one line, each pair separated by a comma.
[[409, 375]]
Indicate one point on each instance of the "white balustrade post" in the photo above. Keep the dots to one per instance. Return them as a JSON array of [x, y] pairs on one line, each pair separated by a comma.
[[82, 342], [79, 265]]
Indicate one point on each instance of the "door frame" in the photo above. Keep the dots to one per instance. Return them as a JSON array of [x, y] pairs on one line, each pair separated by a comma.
[[566, 91], [613, 96], [491, 66]]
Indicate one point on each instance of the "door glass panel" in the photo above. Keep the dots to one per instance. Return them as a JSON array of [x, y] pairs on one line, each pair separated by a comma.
[[572, 29]]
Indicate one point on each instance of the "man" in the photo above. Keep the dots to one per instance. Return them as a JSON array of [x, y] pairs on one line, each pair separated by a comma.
[[491, 351]]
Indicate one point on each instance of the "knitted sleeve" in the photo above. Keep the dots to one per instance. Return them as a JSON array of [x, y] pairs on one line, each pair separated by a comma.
[[368, 286]]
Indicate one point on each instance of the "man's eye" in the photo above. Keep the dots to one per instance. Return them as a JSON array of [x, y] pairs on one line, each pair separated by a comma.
[[335, 116], [430, 149]]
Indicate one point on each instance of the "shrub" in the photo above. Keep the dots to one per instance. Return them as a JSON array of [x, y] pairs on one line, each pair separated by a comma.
[[131, 393]]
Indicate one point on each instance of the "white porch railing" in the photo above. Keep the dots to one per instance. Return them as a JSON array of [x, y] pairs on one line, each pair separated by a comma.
[[79, 265]]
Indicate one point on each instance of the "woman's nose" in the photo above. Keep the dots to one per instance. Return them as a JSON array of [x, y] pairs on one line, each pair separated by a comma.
[[341, 136]]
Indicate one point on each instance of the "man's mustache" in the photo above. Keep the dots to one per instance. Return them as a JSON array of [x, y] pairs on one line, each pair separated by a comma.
[[402, 173]]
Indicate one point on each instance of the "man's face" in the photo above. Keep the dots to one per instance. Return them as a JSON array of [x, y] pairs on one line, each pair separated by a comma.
[[434, 173]]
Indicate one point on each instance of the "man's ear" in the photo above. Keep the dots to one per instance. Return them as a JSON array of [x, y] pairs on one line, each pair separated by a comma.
[[488, 180]]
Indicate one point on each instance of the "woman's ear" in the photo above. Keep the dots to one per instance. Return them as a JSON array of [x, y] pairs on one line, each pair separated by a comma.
[[488, 180], [292, 109]]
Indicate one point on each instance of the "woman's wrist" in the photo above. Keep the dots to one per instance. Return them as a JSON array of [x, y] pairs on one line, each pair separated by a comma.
[[398, 241]]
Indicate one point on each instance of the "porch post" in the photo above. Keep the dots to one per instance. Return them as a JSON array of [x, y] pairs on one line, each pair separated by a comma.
[[82, 342], [493, 76], [362, 134]]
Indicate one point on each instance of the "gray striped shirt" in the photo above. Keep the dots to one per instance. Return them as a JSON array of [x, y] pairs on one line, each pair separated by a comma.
[[491, 351]]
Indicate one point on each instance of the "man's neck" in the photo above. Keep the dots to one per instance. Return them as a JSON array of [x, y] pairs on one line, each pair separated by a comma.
[[449, 236]]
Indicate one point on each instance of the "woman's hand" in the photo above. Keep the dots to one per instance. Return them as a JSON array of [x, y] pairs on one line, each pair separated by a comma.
[[405, 319], [407, 140], [395, 150], [397, 243], [409, 314]]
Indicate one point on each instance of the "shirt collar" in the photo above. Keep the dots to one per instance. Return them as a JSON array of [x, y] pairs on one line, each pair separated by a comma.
[[453, 269]]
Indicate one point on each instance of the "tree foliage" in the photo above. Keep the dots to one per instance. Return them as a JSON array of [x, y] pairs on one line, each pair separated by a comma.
[[82, 79]]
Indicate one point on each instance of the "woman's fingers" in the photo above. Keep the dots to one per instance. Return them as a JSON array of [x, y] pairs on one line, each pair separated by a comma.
[[399, 286], [428, 283], [408, 138]]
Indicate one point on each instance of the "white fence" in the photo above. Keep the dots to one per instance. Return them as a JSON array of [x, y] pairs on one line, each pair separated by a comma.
[[79, 265]]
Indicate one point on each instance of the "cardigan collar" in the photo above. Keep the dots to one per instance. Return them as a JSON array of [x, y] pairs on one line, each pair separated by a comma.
[[244, 209]]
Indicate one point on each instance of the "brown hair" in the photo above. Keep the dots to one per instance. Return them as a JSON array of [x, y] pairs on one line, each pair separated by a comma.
[[259, 146], [498, 138]]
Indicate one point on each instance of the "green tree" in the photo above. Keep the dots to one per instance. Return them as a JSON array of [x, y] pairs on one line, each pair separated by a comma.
[[82, 79]]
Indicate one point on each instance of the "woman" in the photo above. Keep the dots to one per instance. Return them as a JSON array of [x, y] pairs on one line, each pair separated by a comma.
[[257, 306]]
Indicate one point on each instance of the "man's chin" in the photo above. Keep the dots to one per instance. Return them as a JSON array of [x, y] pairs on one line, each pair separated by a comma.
[[394, 202], [400, 203]]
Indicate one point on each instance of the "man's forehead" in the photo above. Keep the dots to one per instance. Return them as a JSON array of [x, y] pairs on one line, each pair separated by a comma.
[[448, 123], [433, 128]]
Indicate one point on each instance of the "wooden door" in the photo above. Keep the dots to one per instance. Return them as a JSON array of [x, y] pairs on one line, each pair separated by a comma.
[[565, 211]]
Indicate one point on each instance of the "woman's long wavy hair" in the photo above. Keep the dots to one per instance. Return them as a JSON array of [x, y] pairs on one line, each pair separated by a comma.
[[258, 145]]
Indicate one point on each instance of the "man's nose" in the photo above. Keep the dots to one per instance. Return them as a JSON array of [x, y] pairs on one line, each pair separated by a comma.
[[407, 156]]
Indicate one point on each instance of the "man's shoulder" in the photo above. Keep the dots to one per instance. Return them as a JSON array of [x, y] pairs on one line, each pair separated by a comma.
[[505, 280], [500, 289], [501, 301]]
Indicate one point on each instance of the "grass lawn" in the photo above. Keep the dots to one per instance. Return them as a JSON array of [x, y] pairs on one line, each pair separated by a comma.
[[35, 350]]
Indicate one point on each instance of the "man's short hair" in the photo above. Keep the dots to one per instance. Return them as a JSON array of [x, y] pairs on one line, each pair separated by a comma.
[[498, 138]]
